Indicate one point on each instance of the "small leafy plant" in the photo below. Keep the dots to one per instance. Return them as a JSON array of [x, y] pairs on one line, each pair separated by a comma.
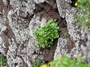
[[83, 14], [37, 63], [66, 34], [67, 62], [2, 60], [47, 33]]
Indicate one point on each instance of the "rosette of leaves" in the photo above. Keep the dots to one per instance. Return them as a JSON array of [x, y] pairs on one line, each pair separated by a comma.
[[2, 60], [47, 33]]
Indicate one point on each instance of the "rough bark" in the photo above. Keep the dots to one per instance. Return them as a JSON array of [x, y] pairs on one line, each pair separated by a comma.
[[19, 18]]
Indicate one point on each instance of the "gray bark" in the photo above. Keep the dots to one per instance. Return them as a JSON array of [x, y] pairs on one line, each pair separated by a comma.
[[18, 44]]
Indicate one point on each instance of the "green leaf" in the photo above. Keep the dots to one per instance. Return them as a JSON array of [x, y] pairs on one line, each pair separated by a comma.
[[2, 60], [83, 2], [83, 27], [78, 23]]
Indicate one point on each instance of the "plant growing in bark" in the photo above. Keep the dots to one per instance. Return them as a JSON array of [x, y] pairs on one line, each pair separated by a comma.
[[67, 62], [47, 33], [37, 63], [66, 34], [83, 15], [2, 60]]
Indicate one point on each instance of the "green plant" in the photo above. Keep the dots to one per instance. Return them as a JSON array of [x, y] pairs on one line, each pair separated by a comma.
[[67, 62], [24, 7], [83, 14], [37, 63], [66, 34], [2, 60], [28, 36], [47, 33]]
